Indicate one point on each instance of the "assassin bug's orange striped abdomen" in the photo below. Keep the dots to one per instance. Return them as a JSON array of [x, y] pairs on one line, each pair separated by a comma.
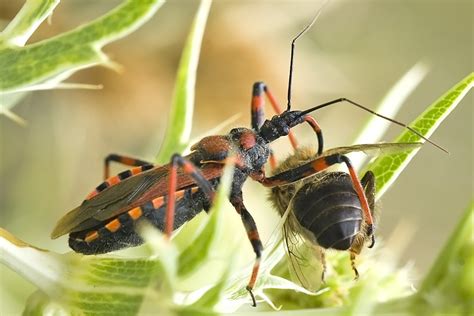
[[111, 235]]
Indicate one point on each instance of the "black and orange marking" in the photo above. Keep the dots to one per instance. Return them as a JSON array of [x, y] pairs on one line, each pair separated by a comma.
[[125, 160], [111, 181], [258, 105], [103, 238], [190, 170], [254, 238], [317, 129]]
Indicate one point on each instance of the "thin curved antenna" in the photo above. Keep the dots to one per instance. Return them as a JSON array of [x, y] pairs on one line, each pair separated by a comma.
[[304, 30], [302, 113]]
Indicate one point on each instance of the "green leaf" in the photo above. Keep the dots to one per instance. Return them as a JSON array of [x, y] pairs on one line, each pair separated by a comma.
[[198, 252], [450, 282], [82, 284], [30, 17], [181, 115], [55, 59], [448, 288], [387, 168]]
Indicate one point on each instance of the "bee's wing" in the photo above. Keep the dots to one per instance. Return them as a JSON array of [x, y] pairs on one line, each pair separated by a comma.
[[125, 195], [373, 149], [304, 257]]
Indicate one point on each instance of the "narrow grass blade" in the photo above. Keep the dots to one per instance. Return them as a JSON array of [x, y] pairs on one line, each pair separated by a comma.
[[180, 121], [387, 168]]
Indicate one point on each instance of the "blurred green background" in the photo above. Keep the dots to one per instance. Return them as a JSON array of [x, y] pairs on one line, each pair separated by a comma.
[[358, 49]]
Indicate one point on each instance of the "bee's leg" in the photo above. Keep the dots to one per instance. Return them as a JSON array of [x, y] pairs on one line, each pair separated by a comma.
[[353, 257], [190, 170], [252, 233], [125, 160], [322, 257], [368, 182], [315, 166]]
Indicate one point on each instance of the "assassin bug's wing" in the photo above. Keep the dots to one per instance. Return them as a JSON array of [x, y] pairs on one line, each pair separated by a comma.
[[373, 149], [125, 195], [107, 203], [304, 256]]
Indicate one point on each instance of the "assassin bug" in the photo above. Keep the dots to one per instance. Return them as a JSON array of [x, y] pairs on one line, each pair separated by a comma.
[[170, 195]]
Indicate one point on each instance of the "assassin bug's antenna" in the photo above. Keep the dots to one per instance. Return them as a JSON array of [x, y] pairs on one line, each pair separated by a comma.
[[304, 30], [302, 113]]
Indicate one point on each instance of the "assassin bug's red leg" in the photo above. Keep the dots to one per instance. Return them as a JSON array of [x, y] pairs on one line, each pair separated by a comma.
[[273, 160], [254, 238], [317, 129], [257, 115], [125, 160], [258, 105], [190, 170], [111, 181], [318, 165]]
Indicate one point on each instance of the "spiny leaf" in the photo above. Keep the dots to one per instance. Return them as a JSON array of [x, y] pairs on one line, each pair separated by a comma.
[[30, 17], [180, 122], [57, 58], [387, 168]]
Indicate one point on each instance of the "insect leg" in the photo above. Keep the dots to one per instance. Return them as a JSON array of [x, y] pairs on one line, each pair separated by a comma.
[[128, 161], [252, 233], [258, 115], [190, 170], [368, 182], [322, 257], [316, 166], [257, 95], [317, 129], [111, 181], [258, 104], [353, 257]]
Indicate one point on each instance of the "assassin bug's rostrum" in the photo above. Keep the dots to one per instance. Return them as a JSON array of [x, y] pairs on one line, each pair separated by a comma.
[[168, 196]]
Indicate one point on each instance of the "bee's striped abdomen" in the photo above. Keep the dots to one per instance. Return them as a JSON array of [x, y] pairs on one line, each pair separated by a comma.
[[330, 210]]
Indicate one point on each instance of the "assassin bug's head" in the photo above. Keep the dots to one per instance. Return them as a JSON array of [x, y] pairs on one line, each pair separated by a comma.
[[280, 125]]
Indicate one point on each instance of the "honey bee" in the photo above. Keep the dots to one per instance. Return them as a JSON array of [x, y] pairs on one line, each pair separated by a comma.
[[324, 211]]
